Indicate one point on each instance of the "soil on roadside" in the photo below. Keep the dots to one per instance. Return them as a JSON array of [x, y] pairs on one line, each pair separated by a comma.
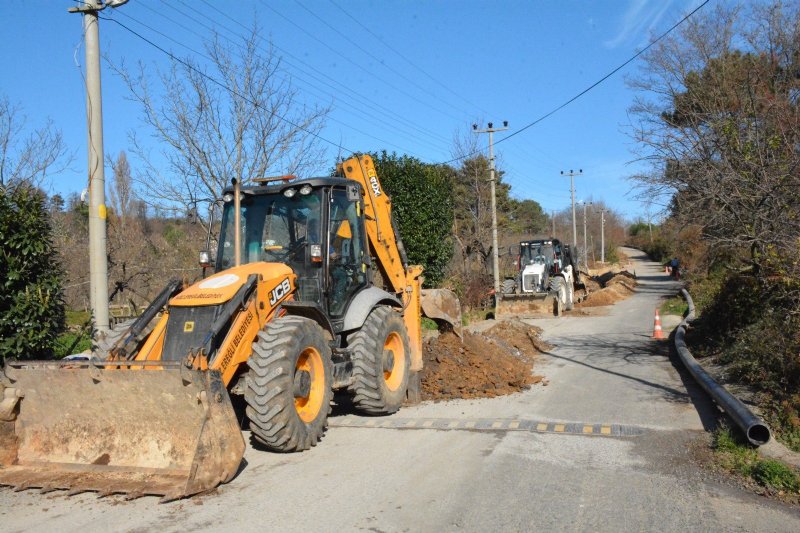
[[495, 362]]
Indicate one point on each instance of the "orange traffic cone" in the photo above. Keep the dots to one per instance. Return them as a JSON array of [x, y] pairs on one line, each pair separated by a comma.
[[657, 332]]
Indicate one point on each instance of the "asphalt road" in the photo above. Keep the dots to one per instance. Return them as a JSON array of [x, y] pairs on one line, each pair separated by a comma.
[[605, 446]]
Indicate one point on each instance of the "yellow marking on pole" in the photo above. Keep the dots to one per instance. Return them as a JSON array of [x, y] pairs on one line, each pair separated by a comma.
[[588, 429], [427, 423], [541, 427], [605, 430], [101, 211], [559, 428], [470, 424], [513, 425], [497, 425]]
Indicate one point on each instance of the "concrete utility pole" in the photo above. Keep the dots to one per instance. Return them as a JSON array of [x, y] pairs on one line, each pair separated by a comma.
[[572, 175], [495, 256], [585, 249], [98, 266], [602, 235], [554, 223]]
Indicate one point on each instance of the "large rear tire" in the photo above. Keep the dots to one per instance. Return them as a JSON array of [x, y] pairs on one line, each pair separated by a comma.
[[381, 362], [288, 387]]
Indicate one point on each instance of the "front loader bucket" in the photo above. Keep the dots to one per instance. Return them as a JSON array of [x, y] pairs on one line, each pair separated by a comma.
[[442, 305], [151, 428], [532, 305]]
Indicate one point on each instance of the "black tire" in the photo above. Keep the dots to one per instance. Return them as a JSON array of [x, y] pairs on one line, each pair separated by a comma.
[[288, 410], [380, 379], [508, 286], [570, 303], [559, 292]]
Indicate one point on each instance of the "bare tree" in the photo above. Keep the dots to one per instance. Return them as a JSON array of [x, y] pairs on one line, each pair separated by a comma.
[[120, 191], [26, 159], [235, 117], [718, 120]]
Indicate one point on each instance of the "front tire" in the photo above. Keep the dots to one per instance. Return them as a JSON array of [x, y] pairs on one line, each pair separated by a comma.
[[381, 362], [288, 387], [559, 290], [570, 303], [508, 286]]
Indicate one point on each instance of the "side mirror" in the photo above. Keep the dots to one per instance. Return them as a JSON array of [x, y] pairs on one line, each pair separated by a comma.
[[205, 258]]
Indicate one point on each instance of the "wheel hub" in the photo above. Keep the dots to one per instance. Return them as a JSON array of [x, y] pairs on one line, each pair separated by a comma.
[[302, 384], [388, 360]]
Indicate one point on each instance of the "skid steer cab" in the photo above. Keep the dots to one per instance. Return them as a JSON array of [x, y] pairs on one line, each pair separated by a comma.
[[311, 293]]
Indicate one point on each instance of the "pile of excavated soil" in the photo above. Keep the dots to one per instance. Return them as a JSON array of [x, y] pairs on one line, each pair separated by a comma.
[[616, 286], [493, 363]]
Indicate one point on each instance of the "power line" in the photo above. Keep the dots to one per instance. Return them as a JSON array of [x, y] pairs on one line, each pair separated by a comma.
[[379, 60], [200, 54], [225, 87], [356, 95], [592, 86], [345, 58], [413, 64]]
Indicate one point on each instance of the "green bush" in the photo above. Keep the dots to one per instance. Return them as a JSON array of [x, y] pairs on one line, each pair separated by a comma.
[[422, 205], [31, 304], [71, 343]]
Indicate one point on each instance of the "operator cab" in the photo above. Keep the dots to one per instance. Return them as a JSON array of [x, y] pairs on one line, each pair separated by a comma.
[[315, 226]]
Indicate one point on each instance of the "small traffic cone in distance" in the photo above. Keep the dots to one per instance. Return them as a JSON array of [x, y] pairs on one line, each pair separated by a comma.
[[658, 333]]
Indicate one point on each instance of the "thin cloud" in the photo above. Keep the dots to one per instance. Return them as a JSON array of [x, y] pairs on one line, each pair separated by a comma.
[[639, 20]]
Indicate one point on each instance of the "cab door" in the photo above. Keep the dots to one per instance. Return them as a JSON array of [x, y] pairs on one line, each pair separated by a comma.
[[347, 270]]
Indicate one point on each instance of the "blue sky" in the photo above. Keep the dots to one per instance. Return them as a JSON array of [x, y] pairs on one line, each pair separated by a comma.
[[459, 62]]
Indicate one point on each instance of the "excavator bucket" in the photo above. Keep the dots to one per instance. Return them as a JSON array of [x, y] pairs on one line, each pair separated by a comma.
[[136, 428], [442, 306]]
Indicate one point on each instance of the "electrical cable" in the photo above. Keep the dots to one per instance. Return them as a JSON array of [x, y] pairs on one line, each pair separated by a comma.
[[358, 97], [413, 64], [380, 61], [200, 54], [390, 85], [223, 86], [589, 88]]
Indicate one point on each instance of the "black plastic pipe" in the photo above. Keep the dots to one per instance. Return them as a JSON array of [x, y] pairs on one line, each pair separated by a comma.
[[756, 430]]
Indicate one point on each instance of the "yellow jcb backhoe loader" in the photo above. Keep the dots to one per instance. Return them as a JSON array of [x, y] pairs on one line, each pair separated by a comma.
[[312, 292]]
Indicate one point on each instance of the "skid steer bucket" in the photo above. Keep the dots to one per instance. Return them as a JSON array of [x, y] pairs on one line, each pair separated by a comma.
[[149, 428], [525, 306], [442, 305]]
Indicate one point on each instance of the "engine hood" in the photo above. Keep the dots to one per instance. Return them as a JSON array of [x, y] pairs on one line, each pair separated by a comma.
[[221, 287]]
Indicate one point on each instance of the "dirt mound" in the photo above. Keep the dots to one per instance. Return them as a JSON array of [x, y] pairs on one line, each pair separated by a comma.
[[494, 363], [616, 286]]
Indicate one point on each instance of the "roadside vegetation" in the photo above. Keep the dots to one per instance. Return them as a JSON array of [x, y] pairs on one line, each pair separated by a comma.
[[734, 456], [718, 117]]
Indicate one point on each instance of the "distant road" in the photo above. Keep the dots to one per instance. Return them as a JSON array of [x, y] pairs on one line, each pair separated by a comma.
[[603, 447]]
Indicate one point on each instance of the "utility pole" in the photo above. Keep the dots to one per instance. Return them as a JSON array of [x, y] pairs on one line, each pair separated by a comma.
[[98, 266], [585, 249], [602, 235], [554, 223], [572, 175], [495, 257]]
